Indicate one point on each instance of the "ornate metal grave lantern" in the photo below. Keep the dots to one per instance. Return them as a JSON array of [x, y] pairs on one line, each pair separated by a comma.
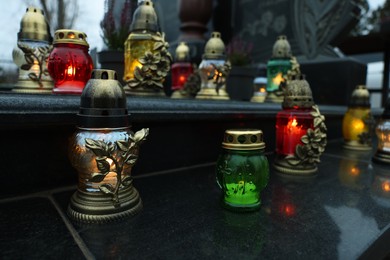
[[147, 60], [103, 151], [300, 131], [358, 121], [214, 70], [277, 68], [382, 154], [31, 52]]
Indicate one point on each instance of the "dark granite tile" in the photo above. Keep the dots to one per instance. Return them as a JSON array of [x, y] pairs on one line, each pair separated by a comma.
[[332, 215], [32, 229]]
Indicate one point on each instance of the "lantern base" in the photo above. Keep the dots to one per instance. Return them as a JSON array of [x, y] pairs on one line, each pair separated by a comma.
[[211, 93], [381, 157], [258, 98], [74, 88], [98, 208], [140, 92], [241, 208], [32, 87], [177, 95], [355, 145], [273, 98], [283, 167]]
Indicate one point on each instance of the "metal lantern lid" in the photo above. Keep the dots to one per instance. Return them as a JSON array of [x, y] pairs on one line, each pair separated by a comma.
[[145, 17], [182, 52], [243, 139], [215, 48], [34, 26], [298, 93], [386, 112], [360, 97], [103, 102], [282, 48], [70, 36]]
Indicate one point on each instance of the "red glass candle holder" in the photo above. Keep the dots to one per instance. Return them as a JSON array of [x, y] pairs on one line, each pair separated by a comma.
[[69, 63], [300, 131], [180, 72], [291, 125]]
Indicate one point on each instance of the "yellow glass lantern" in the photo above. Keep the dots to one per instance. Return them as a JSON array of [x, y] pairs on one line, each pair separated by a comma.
[[214, 70], [147, 60], [382, 154], [358, 121]]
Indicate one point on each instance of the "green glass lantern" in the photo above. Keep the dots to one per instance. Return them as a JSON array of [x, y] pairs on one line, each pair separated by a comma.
[[277, 67], [242, 169]]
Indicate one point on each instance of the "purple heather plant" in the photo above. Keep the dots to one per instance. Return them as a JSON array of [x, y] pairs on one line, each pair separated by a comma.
[[239, 51], [115, 27]]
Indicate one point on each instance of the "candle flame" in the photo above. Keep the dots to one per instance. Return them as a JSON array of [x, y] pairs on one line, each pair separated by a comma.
[[70, 71], [355, 171], [292, 123], [278, 78], [358, 124], [386, 186]]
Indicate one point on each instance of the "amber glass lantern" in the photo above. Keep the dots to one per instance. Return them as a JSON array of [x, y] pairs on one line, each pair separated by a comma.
[[30, 54], [104, 150], [300, 131], [147, 60], [69, 63], [181, 69], [358, 122], [214, 70], [382, 130], [277, 68]]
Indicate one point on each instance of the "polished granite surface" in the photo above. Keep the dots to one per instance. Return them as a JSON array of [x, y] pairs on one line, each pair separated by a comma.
[[340, 213]]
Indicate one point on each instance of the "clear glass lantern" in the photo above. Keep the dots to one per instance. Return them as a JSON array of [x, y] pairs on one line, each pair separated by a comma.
[[214, 70], [30, 54], [382, 130]]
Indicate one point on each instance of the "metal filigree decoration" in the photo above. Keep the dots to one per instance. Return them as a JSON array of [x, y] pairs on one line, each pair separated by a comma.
[[291, 74], [155, 66], [365, 137], [120, 153], [219, 75], [37, 56], [192, 85], [314, 142]]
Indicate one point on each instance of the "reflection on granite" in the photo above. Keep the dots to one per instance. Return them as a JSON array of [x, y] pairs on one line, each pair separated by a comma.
[[337, 214]]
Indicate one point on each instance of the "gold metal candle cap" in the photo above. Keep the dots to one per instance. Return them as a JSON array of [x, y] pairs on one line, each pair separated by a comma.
[[360, 97], [298, 93], [282, 48], [182, 52], [145, 18], [215, 48], [70, 36], [34, 26], [103, 102], [243, 139]]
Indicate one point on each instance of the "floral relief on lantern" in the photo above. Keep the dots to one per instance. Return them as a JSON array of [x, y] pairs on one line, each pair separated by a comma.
[[120, 153], [300, 131]]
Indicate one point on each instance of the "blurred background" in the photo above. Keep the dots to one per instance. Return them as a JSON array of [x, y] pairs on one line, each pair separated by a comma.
[[231, 17]]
